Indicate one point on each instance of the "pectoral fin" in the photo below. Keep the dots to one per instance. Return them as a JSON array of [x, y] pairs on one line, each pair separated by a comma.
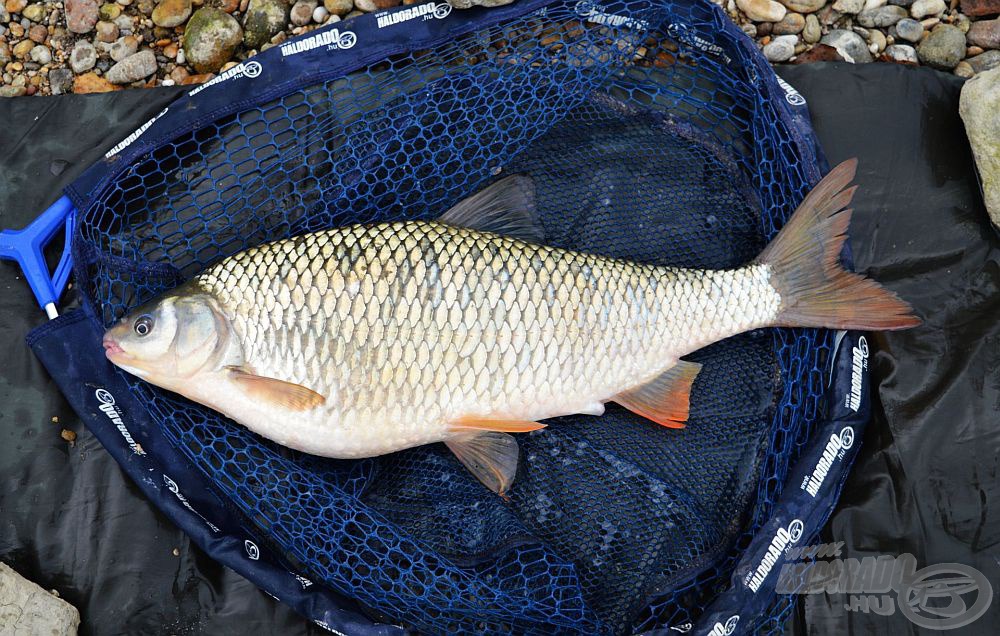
[[666, 399], [490, 456], [276, 392]]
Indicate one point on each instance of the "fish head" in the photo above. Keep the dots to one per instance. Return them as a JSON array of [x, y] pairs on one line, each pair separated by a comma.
[[171, 339]]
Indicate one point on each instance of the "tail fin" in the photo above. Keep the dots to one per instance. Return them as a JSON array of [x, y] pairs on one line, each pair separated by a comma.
[[804, 258]]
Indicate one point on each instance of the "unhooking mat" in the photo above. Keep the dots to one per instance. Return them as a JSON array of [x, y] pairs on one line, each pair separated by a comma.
[[377, 488]]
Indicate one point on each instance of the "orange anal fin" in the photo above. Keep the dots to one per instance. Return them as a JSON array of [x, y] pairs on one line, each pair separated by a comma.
[[470, 424], [490, 456], [276, 392], [666, 399]]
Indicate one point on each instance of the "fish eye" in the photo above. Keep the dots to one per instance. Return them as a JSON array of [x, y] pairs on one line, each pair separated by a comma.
[[143, 325]]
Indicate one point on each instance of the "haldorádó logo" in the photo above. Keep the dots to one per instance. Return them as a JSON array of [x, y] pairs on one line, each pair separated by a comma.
[[429, 11], [246, 69], [859, 363], [128, 141], [920, 597], [332, 39], [593, 12], [725, 630], [110, 408], [834, 450], [685, 34], [782, 539], [792, 96], [172, 487], [252, 550]]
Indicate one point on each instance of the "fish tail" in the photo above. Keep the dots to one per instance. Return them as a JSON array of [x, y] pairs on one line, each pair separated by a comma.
[[805, 268]]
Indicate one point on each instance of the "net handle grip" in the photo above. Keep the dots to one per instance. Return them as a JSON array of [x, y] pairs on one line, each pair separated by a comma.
[[26, 248]]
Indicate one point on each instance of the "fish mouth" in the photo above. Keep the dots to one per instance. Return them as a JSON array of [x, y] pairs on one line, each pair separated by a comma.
[[112, 349]]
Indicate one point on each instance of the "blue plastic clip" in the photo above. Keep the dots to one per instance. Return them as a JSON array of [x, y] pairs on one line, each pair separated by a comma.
[[25, 246]]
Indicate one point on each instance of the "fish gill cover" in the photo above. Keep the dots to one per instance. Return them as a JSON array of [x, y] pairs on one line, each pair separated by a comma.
[[653, 132]]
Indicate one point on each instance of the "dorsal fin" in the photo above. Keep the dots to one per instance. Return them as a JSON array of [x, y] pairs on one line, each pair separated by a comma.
[[507, 208]]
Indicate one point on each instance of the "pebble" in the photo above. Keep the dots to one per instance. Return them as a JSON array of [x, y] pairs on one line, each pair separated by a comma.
[[60, 80], [23, 48], [901, 3], [146, 7], [804, 6], [984, 61], [11, 91], [781, 48], [180, 56], [909, 30], [107, 31], [375, 5], [871, 5], [92, 83], [109, 12], [171, 13], [978, 106], [38, 33], [764, 29], [210, 39], [924, 8], [123, 47], [985, 33], [964, 69], [902, 53], [791, 24], [943, 48], [962, 22], [301, 13], [877, 40], [343, 7], [167, 82], [973, 51], [320, 14], [15, 6], [133, 68], [356, 13], [41, 54], [34, 12], [263, 20], [83, 57], [881, 17], [930, 23], [980, 7], [750, 29], [4, 15], [81, 15], [849, 44], [849, 6], [125, 24], [16, 29], [4, 53], [228, 6]]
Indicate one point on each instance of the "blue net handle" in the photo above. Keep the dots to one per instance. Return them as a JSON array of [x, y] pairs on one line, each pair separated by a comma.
[[26, 247]]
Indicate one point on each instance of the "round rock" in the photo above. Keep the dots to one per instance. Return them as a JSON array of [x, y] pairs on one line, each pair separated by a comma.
[[925, 8], [133, 68], [171, 13], [984, 61], [61, 80], [320, 14], [985, 34], [339, 7], [81, 15], [23, 48], [378, 5], [849, 6], [38, 33], [881, 16], [910, 30], [107, 31], [34, 12], [781, 48], [902, 53], [944, 48], [83, 57], [263, 20], [761, 10], [804, 6], [210, 38], [812, 32], [302, 12], [110, 11], [964, 69], [124, 47], [41, 54], [850, 45], [791, 24]]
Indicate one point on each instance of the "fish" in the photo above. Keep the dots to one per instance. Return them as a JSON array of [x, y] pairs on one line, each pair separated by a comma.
[[368, 339]]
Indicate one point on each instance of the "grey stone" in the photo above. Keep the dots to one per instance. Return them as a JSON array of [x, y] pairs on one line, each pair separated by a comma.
[[264, 19], [83, 57], [978, 107], [882, 16], [926, 8], [812, 32], [27, 608], [320, 14], [984, 61], [909, 29], [901, 3], [41, 54], [943, 48], [985, 34], [850, 45], [849, 6], [781, 48], [133, 68], [61, 81], [803, 6], [902, 53], [10, 91], [124, 47], [4, 53], [210, 39], [791, 24]]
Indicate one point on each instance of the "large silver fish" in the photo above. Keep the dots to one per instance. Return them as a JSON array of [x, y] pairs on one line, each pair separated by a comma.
[[368, 339]]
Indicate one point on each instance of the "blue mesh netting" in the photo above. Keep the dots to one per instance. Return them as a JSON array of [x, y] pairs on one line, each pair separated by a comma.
[[651, 138]]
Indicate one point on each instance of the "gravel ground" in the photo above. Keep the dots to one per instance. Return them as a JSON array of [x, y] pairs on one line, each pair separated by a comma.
[[81, 46]]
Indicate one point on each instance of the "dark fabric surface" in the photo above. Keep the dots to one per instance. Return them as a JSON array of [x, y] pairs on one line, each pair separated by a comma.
[[926, 480], [925, 483]]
